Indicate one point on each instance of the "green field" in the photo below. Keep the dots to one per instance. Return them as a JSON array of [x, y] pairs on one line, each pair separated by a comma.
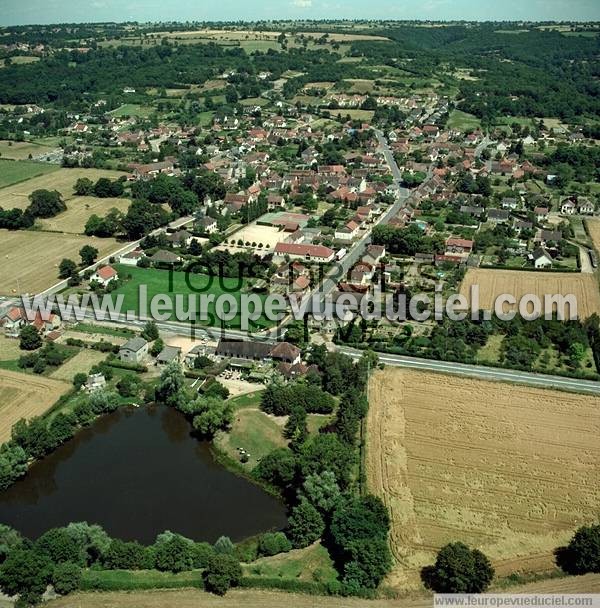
[[462, 121], [132, 109], [164, 282], [15, 171]]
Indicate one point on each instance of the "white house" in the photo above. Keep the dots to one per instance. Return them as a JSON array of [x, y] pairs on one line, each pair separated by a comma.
[[104, 275], [132, 258], [568, 207], [541, 258], [347, 232]]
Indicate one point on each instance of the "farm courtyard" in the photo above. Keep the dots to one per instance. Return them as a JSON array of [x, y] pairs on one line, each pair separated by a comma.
[[510, 470]]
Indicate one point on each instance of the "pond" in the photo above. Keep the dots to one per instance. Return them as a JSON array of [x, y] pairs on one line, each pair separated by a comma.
[[138, 472]]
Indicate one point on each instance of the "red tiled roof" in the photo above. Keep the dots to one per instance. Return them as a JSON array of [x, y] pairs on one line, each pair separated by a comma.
[[319, 251], [106, 272]]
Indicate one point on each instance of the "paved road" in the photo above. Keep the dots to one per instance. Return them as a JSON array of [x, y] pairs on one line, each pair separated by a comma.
[[484, 373]]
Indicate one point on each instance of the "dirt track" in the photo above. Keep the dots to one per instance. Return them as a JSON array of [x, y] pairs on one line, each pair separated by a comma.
[[270, 599], [509, 469]]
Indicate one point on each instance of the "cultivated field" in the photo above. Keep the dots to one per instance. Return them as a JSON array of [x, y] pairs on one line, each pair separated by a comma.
[[593, 227], [14, 172], [79, 209], [25, 396], [29, 260], [82, 362], [508, 469], [9, 349], [60, 179], [20, 150], [493, 283]]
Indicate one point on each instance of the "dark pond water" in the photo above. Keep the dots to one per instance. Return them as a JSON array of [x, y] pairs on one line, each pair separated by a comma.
[[138, 472]]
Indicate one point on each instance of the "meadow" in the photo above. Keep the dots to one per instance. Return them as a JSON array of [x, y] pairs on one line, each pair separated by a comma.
[[14, 172], [178, 282]]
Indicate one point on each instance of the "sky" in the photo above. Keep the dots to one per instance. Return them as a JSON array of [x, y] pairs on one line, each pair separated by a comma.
[[18, 12]]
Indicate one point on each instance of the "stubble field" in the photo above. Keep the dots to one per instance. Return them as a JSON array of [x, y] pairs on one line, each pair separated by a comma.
[[493, 283], [29, 260], [24, 396], [59, 179], [79, 210], [508, 469]]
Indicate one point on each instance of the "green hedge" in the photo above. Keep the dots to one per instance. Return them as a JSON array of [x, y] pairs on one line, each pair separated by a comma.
[[128, 580]]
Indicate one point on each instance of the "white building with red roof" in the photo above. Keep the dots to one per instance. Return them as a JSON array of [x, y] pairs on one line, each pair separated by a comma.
[[104, 275]]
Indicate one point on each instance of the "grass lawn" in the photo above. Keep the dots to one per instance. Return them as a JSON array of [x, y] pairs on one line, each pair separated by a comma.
[[310, 564], [251, 400], [462, 121], [254, 101], [255, 432], [132, 109], [16, 171], [9, 349], [159, 282], [366, 115]]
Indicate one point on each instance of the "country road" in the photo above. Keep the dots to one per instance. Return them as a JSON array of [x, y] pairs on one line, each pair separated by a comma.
[[484, 373]]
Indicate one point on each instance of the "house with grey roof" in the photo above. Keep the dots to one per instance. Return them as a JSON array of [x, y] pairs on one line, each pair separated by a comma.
[[134, 350]]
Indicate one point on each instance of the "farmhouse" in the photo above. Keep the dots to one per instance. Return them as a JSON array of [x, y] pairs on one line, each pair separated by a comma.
[[134, 350], [317, 253], [12, 321], [104, 275]]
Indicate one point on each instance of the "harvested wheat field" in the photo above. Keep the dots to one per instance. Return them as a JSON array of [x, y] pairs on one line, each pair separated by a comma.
[[593, 228], [62, 180], [29, 260], [24, 396], [510, 470], [79, 210], [493, 283], [81, 363]]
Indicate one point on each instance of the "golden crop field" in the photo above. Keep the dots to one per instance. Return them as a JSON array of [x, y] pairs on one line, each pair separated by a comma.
[[25, 396], [29, 260], [510, 470], [593, 227], [62, 180], [493, 283], [82, 362], [79, 209]]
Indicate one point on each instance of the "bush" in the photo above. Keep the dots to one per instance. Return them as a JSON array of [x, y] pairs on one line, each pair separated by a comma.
[[66, 578], [174, 553], [273, 543], [59, 546], [582, 554], [222, 572], [126, 556], [458, 569]]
